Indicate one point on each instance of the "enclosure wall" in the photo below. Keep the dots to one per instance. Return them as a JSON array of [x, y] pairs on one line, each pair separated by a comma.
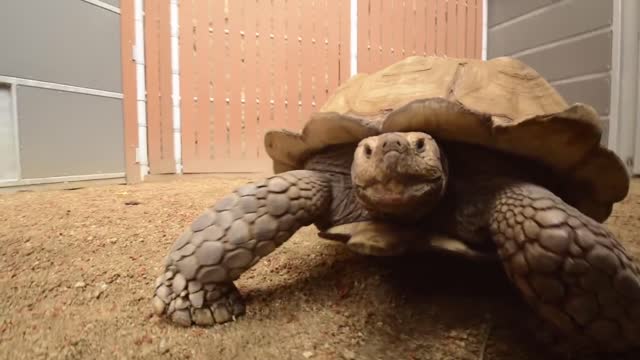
[[61, 60], [569, 42]]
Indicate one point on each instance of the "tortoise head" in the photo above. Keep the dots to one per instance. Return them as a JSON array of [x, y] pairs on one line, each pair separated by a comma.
[[400, 174]]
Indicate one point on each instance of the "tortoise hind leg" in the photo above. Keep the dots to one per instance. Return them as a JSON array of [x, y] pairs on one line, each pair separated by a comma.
[[569, 268], [230, 237]]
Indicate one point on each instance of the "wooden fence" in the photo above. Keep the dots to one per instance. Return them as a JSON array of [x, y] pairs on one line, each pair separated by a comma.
[[389, 31], [247, 66]]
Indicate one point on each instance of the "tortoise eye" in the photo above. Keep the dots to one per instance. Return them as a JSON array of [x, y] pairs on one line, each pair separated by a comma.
[[367, 150], [420, 145]]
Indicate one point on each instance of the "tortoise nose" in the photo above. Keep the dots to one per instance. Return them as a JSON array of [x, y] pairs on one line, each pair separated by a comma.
[[394, 142]]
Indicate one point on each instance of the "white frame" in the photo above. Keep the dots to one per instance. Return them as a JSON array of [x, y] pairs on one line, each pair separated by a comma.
[[612, 140], [636, 152], [104, 5], [54, 86], [60, 179], [175, 84], [142, 155], [16, 130], [624, 132], [13, 123], [485, 28]]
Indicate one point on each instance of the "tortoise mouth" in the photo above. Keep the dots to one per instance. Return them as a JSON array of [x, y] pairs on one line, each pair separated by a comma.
[[411, 196]]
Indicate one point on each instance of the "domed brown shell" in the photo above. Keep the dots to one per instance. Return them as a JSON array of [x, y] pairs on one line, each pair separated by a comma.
[[501, 104]]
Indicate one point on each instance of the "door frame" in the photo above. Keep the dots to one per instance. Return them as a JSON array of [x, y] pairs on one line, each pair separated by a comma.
[[624, 130]]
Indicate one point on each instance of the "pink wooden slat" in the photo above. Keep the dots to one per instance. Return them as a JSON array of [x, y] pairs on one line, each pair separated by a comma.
[[129, 90], [327, 21], [217, 68], [441, 27], [388, 23], [364, 34], [264, 63], [151, 77], [158, 71], [293, 65], [345, 40], [397, 44], [227, 165], [376, 36], [333, 56], [316, 55], [479, 25], [151, 71], [431, 27], [187, 113], [461, 30], [279, 71], [420, 30], [252, 138], [321, 52], [409, 45], [158, 162], [471, 28], [452, 26], [307, 59], [236, 138], [166, 104]]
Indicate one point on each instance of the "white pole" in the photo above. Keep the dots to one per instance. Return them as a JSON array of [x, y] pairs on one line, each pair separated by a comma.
[[485, 28], [141, 96], [354, 37], [175, 85]]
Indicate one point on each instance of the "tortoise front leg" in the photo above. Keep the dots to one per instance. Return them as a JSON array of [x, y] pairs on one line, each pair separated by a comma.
[[230, 237], [570, 268]]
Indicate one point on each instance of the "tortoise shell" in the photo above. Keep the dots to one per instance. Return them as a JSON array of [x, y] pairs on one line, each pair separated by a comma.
[[501, 103]]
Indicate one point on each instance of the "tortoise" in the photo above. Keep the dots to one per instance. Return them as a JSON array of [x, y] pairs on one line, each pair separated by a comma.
[[473, 157]]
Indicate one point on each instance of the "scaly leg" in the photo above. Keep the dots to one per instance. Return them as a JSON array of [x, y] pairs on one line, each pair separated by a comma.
[[569, 268], [230, 237]]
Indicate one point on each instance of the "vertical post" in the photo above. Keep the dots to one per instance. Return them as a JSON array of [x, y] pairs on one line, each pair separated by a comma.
[[141, 94], [623, 130], [16, 130], [485, 28], [636, 141], [354, 37], [175, 84], [633, 30], [129, 90], [616, 27]]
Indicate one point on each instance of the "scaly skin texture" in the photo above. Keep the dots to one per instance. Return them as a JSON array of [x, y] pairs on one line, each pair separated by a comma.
[[230, 237], [569, 268]]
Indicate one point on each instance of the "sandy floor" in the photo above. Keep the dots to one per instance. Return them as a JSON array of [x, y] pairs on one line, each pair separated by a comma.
[[77, 268]]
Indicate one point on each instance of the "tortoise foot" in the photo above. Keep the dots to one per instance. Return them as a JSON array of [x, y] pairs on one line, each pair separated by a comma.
[[570, 269], [194, 303]]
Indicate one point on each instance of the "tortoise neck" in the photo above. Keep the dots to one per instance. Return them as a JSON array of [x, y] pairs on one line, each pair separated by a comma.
[[333, 159]]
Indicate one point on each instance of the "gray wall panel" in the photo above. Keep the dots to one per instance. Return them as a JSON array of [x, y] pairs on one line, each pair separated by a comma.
[[64, 134], [554, 23], [64, 41], [503, 10], [585, 56], [595, 92], [567, 41]]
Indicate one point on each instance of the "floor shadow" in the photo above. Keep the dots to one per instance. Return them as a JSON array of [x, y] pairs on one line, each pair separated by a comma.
[[427, 294]]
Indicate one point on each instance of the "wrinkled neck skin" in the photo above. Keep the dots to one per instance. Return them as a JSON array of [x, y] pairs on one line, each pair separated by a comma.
[[399, 176], [335, 162]]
